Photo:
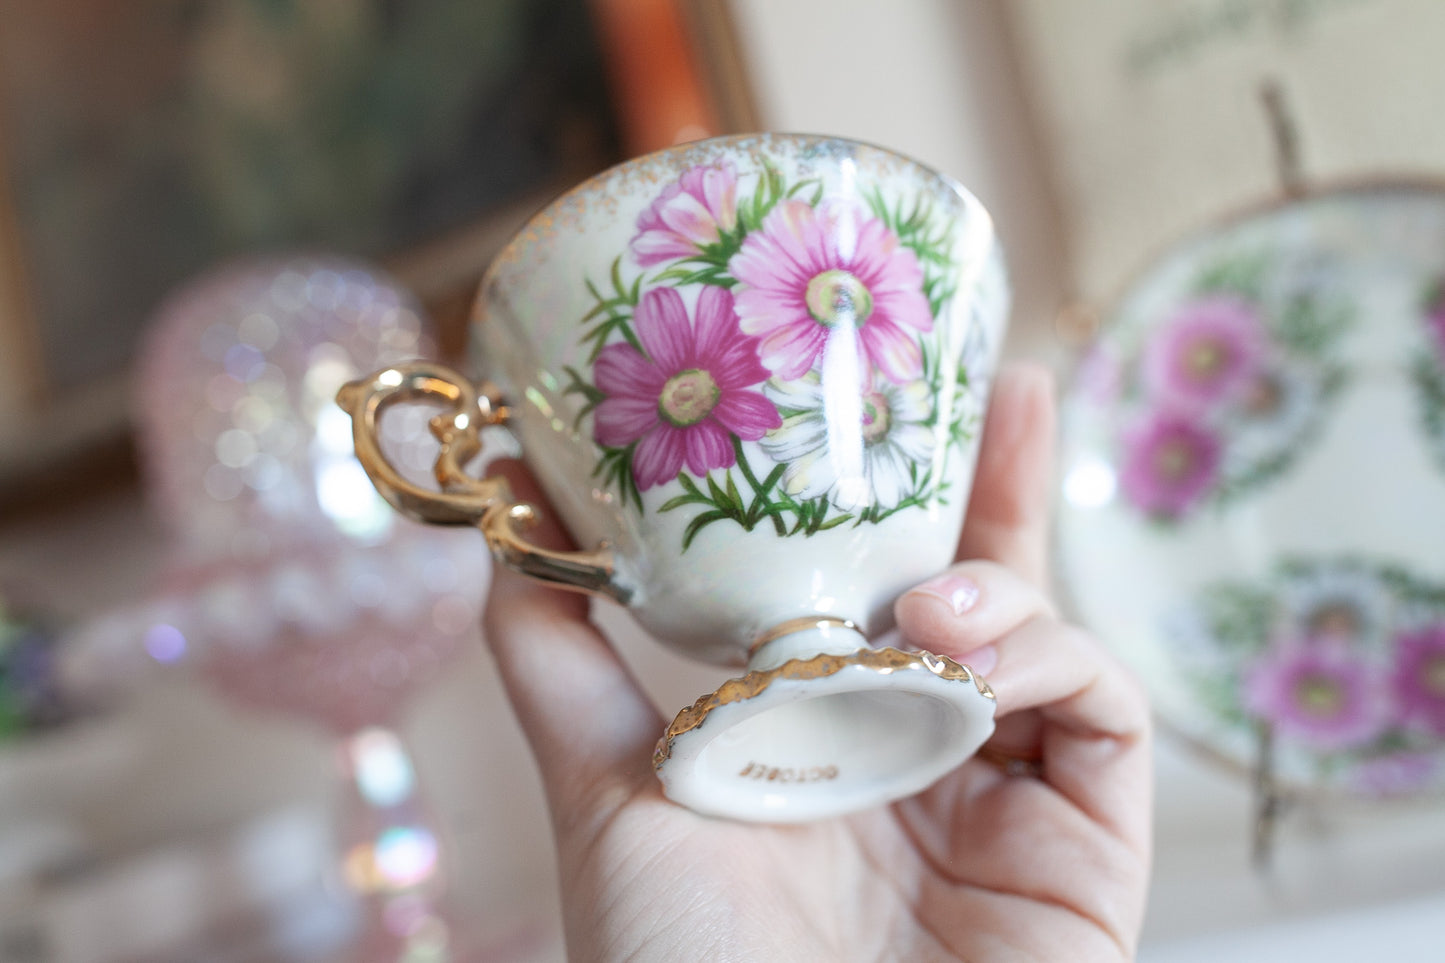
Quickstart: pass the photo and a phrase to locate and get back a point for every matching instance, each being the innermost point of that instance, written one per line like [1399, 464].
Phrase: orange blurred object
[658, 88]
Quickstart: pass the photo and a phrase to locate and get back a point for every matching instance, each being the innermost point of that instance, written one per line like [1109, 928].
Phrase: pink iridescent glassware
[292, 587]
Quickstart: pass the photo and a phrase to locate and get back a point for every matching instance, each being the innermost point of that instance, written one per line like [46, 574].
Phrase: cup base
[823, 736]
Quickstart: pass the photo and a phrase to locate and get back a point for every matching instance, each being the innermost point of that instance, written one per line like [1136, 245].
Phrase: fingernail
[981, 660]
[958, 591]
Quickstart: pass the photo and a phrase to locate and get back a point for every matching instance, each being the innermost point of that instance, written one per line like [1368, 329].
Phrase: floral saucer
[1252, 506]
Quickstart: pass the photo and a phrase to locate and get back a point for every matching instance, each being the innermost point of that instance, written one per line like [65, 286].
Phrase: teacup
[751, 372]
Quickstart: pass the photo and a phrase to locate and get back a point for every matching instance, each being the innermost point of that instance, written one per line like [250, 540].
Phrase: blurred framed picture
[142, 142]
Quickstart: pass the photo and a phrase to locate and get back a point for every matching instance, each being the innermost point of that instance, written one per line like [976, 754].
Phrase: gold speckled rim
[599, 190]
[882, 661]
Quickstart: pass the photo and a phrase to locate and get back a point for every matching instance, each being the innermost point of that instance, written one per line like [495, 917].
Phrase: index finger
[1008, 511]
[587, 720]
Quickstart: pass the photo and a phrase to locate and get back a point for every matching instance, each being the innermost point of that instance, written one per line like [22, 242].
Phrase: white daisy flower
[1272, 415]
[1341, 601]
[1194, 642]
[855, 468]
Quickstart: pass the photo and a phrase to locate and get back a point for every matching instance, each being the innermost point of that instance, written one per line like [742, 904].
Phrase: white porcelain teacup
[752, 372]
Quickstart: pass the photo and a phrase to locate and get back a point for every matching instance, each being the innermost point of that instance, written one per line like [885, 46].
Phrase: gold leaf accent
[801, 625]
[883, 661]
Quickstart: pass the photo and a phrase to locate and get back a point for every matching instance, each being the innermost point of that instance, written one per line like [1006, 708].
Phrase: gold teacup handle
[487, 503]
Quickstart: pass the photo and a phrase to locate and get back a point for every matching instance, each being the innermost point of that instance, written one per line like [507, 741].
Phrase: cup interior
[825, 747]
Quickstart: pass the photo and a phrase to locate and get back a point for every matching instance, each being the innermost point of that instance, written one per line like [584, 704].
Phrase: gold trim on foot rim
[882, 661]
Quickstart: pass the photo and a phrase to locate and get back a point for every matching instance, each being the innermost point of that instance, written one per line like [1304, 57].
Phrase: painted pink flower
[1435, 323]
[809, 275]
[1318, 694]
[1394, 774]
[1170, 463]
[1419, 678]
[1211, 351]
[683, 399]
[691, 214]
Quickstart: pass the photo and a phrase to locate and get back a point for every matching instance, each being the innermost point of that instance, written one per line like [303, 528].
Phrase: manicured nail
[959, 592]
[981, 660]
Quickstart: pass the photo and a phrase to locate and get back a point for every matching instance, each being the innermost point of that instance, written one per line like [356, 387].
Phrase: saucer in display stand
[1252, 507]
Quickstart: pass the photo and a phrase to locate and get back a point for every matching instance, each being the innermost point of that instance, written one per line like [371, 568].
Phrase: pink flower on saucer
[1419, 678]
[1395, 774]
[683, 400]
[1170, 463]
[1435, 323]
[809, 275]
[1318, 694]
[1211, 351]
[691, 214]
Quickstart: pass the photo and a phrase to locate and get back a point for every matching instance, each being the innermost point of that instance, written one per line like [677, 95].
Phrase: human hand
[1036, 849]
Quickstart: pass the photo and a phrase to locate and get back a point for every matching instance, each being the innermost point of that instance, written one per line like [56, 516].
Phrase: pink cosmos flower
[1435, 324]
[1210, 352]
[1170, 463]
[1419, 678]
[1395, 774]
[1320, 695]
[683, 400]
[808, 275]
[690, 214]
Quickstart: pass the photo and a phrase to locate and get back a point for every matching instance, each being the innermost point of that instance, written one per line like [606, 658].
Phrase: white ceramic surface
[756, 369]
[1253, 489]
[751, 222]
[812, 745]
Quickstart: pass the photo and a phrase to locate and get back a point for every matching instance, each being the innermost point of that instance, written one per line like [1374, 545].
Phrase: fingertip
[970, 605]
[1032, 377]
[953, 588]
[983, 659]
[1019, 428]
[1027, 386]
[933, 614]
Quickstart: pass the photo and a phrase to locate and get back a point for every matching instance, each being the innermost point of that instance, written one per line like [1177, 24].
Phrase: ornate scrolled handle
[463, 499]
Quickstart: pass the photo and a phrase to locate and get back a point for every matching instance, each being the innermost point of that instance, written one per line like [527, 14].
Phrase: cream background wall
[935, 79]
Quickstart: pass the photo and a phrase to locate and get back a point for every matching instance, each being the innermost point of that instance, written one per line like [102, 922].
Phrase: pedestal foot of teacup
[809, 738]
